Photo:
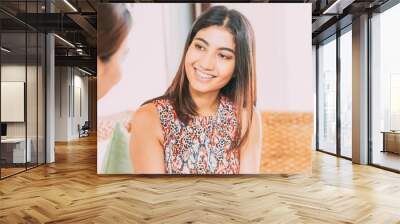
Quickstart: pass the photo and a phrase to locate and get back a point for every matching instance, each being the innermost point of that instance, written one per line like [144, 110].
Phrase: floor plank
[70, 191]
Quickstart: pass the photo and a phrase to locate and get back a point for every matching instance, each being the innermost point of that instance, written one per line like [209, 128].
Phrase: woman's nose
[207, 61]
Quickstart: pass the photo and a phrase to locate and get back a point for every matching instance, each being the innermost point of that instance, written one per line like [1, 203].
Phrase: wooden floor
[70, 191]
[10, 171]
[387, 159]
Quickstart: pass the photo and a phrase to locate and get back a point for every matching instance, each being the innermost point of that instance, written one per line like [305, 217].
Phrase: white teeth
[203, 75]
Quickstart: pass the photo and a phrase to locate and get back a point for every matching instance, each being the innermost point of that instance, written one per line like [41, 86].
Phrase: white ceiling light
[79, 51]
[65, 41]
[70, 5]
[337, 7]
[84, 71]
[5, 50]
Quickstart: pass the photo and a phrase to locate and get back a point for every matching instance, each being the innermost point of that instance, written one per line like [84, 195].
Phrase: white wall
[285, 80]
[33, 127]
[153, 57]
[61, 103]
[12, 73]
[68, 81]
[80, 83]
[12, 101]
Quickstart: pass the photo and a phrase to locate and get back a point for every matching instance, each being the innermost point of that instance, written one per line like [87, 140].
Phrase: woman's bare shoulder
[146, 119]
[147, 111]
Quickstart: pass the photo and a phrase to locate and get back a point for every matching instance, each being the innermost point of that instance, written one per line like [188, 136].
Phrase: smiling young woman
[205, 123]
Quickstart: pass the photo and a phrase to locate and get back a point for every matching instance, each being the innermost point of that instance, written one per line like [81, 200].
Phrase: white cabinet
[18, 149]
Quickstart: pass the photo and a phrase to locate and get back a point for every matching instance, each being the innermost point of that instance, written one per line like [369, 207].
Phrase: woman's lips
[203, 76]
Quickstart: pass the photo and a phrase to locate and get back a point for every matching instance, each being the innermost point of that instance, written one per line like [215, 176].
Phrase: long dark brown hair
[241, 89]
[114, 24]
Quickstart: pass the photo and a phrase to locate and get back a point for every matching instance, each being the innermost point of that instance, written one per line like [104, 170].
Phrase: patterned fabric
[105, 125]
[205, 145]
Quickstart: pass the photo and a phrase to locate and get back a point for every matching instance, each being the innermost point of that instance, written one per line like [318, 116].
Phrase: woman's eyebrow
[221, 48]
[227, 49]
[202, 40]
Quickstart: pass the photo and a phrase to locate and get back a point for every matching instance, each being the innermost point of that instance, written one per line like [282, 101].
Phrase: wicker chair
[287, 142]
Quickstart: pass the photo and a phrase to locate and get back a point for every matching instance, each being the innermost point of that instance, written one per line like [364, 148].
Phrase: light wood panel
[287, 142]
[70, 191]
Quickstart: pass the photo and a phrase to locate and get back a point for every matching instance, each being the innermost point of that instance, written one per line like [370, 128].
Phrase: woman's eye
[199, 47]
[225, 57]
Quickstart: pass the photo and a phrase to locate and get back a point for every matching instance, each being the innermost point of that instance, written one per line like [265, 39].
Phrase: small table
[391, 141]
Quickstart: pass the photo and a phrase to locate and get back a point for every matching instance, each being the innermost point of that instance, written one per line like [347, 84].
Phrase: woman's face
[210, 60]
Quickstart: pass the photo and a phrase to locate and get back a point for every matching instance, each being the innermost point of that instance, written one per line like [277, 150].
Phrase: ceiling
[76, 22]
[329, 16]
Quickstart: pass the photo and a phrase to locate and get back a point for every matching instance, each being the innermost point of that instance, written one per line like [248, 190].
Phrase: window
[346, 93]
[22, 76]
[327, 96]
[385, 88]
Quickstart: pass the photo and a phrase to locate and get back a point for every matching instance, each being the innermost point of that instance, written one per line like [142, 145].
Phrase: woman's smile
[203, 76]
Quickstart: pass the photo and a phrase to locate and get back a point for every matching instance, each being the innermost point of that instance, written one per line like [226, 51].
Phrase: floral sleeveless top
[205, 145]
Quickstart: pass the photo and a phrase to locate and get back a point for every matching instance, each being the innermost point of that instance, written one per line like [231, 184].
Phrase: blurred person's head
[114, 24]
[219, 58]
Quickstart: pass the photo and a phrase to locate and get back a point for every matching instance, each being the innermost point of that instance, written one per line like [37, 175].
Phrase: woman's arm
[250, 151]
[146, 148]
